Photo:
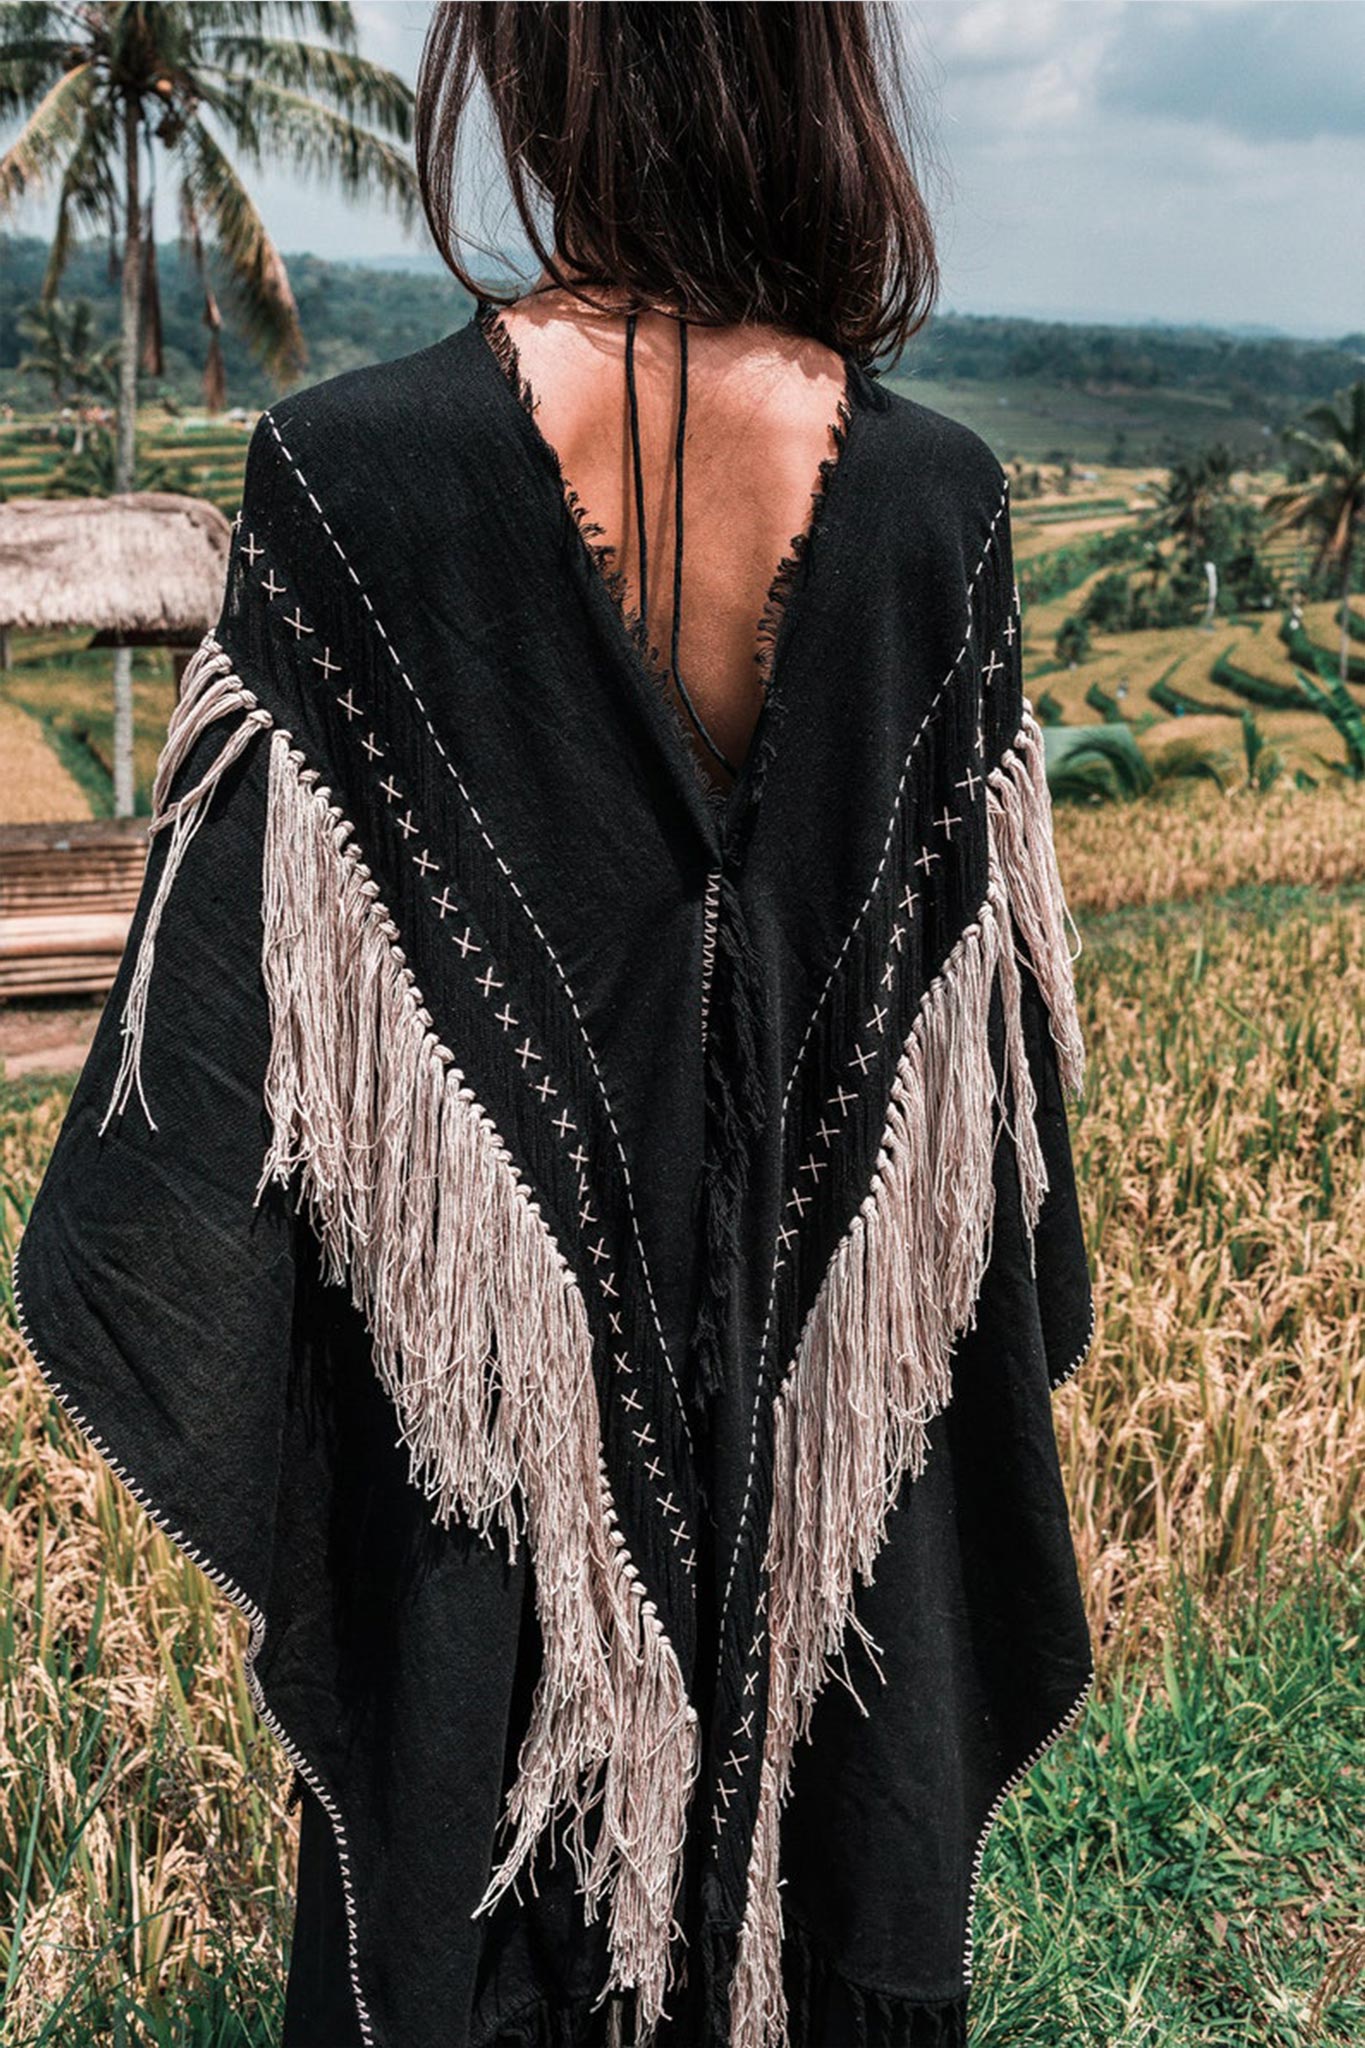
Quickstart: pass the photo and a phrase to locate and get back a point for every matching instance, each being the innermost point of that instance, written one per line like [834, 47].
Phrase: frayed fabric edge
[480, 1333]
[873, 1364]
[826, 2004]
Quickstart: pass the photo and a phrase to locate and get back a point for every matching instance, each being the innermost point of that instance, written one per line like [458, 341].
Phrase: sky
[1120, 160]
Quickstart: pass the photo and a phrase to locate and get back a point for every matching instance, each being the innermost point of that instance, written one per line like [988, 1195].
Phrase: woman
[589, 1256]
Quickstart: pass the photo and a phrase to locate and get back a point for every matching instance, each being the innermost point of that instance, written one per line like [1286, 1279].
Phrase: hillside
[1035, 389]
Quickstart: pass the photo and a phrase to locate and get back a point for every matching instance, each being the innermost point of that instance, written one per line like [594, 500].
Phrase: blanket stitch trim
[256, 1620]
[517, 892]
[563, 1126]
[1023, 892]
[799, 1058]
[481, 1335]
[873, 1363]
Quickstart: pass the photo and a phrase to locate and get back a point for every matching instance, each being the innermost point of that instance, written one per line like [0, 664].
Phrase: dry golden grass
[125, 1725]
[1223, 1406]
[34, 786]
[1221, 1410]
[1192, 841]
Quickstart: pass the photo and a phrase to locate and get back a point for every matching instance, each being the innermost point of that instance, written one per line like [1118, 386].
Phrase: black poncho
[584, 1266]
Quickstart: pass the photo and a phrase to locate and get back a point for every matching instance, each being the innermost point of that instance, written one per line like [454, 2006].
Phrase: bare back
[761, 408]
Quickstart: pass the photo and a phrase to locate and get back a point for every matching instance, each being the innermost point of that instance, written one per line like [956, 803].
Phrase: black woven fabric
[458, 672]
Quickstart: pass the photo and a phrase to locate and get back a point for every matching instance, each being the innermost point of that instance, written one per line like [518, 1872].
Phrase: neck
[611, 298]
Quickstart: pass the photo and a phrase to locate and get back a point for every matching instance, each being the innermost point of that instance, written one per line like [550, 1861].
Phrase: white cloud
[1287, 71]
[1141, 158]
[391, 32]
[1086, 158]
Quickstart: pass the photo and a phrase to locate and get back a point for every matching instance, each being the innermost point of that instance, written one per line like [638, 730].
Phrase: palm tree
[1194, 485]
[63, 353]
[99, 86]
[1329, 504]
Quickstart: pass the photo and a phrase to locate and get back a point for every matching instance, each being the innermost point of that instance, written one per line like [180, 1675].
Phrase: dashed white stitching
[555, 961]
[810, 1026]
[525, 1052]
[826, 1132]
[255, 1618]
[465, 940]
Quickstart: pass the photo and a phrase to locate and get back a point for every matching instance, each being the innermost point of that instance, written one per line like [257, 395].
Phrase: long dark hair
[731, 161]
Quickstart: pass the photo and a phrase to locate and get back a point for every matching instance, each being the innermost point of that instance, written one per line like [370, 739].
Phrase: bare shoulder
[748, 380]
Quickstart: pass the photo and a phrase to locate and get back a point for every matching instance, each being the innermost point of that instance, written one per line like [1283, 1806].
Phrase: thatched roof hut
[148, 567]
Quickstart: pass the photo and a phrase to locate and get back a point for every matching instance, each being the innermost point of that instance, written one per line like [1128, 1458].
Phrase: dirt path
[46, 1038]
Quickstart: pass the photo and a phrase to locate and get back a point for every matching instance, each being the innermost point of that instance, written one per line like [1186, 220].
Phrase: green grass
[1184, 1865]
[1184, 1868]
[207, 461]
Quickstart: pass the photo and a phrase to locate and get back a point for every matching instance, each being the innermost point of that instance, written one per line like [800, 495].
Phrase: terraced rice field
[204, 457]
[34, 785]
[1183, 1870]
[63, 686]
[68, 689]
[64, 689]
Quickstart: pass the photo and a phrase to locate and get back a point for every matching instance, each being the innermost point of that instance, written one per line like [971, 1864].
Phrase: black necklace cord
[678, 446]
[639, 468]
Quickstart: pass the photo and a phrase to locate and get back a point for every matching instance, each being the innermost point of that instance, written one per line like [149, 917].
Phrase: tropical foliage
[1344, 714]
[1264, 763]
[1191, 496]
[1328, 504]
[1104, 762]
[107, 92]
[1184, 1869]
[65, 353]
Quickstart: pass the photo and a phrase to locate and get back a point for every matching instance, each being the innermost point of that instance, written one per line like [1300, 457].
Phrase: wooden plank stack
[67, 896]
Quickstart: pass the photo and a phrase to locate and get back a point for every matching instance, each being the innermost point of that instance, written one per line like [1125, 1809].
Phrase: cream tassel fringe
[874, 1362]
[480, 1338]
[1021, 811]
[207, 691]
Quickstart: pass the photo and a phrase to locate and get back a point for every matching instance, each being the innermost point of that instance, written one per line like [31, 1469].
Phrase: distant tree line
[349, 314]
[354, 314]
[997, 349]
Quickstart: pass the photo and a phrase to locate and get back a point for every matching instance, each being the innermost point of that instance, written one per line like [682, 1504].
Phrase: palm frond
[1323, 451]
[364, 90]
[88, 194]
[1099, 763]
[215, 368]
[336, 22]
[218, 200]
[321, 143]
[34, 18]
[28, 69]
[1334, 701]
[34, 40]
[50, 134]
[1331, 426]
